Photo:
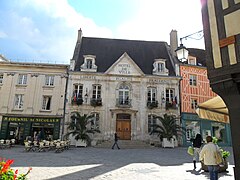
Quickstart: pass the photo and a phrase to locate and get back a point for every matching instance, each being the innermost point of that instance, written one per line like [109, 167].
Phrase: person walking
[207, 155]
[115, 141]
[197, 143]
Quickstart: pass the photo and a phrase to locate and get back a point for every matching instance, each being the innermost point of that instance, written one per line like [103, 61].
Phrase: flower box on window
[153, 104]
[77, 101]
[96, 102]
[171, 105]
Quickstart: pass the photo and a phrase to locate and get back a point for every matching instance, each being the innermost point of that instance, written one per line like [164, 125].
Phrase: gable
[125, 66]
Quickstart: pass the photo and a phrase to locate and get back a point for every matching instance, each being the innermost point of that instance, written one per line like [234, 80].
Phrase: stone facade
[31, 99]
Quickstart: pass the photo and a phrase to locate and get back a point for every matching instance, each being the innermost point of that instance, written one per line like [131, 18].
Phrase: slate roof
[200, 54]
[108, 51]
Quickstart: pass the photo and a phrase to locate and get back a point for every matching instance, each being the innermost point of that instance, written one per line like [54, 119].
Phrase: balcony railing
[152, 104]
[123, 103]
[96, 102]
[171, 105]
[77, 101]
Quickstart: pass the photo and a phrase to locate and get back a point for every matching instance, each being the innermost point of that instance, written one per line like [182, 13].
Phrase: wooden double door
[123, 129]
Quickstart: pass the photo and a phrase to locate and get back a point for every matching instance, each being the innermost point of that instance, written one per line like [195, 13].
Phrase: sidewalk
[108, 164]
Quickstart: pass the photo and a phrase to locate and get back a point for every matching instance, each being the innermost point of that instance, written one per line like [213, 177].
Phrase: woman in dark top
[197, 143]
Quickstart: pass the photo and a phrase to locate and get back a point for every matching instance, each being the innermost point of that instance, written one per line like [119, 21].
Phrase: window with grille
[96, 91]
[151, 122]
[18, 101]
[1, 78]
[46, 105]
[152, 91]
[49, 80]
[22, 79]
[95, 121]
[193, 80]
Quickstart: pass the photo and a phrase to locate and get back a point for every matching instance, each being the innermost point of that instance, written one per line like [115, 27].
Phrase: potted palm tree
[79, 128]
[167, 130]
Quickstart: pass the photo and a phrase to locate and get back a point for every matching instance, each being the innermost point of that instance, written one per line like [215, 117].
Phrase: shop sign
[31, 119]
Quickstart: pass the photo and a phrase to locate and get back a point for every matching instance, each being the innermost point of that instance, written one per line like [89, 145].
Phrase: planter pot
[221, 169]
[167, 143]
[81, 143]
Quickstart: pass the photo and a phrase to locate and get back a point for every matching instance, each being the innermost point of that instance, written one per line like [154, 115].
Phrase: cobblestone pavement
[107, 164]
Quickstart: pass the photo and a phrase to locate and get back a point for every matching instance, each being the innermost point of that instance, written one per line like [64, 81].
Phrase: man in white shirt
[207, 155]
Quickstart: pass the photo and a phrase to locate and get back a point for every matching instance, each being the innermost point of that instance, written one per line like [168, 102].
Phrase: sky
[46, 30]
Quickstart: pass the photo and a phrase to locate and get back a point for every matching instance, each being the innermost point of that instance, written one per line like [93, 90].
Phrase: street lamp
[181, 51]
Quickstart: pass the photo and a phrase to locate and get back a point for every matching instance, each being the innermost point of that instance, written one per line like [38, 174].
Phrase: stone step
[125, 144]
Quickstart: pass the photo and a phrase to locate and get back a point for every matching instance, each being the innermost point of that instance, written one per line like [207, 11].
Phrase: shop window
[49, 80]
[194, 103]
[192, 129]
[18, 101]
[152, 120]
[193, 80]
[46, 105]
[219, 132]
[22, 79]
[1, 78]
[95, 121]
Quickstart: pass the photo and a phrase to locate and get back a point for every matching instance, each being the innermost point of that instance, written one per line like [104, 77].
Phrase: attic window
[192, 61]
[159, 67]
[89, 63]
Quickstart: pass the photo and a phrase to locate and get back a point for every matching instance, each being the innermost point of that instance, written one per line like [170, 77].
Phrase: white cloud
[156, 18]
[3, 34]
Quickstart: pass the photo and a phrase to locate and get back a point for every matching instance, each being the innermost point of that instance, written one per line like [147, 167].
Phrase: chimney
[79, 35]
[173, 41]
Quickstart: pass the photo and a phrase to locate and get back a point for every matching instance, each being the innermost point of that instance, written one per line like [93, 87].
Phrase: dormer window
[89, 64]
[159, 67]
[192, 60]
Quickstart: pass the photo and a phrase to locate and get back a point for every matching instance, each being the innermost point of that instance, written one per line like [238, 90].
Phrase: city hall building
[125, 84]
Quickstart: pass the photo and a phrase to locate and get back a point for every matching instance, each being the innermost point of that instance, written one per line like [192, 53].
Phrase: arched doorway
[123, 126]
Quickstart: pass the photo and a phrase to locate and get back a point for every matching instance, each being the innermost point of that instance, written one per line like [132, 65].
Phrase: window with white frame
[1, 78]
[170, 93]
[194, 103]
[89, 63]
[152, 92]
[22, 79]
[78, 91]
[124, 91]
[160, 67]
[193, 80]
[46, 104]
[18, 101]
[95, 121]
[96, 91]
[151, 122]
[192, 61]
[49, 80]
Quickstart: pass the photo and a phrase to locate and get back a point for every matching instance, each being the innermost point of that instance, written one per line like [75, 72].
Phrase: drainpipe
[65, 102]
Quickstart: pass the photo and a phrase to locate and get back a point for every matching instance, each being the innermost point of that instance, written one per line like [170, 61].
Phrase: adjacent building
[195, 89]
[32, 97]
[125, 84]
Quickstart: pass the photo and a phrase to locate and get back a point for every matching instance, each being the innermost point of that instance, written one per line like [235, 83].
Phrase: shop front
[34, 128]
[194, 125]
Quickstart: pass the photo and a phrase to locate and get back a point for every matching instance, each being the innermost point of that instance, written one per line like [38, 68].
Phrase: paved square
[108, 164]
